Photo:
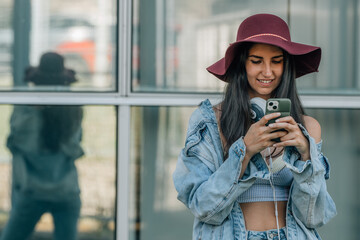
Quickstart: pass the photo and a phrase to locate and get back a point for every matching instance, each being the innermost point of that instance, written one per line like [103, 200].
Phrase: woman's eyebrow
[278, 56]
[255, 56]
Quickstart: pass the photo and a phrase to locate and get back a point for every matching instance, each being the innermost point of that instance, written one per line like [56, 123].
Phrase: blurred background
[149, 56]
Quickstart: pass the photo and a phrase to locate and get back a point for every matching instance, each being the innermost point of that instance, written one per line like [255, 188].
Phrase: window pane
[334, 26]
[158, 134]
[82, 32]
[177, 40]
[174, 41]
[341, 133]
[49, 157]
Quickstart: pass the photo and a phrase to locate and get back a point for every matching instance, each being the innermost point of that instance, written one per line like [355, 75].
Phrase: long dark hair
[235, 117]
[59, 123]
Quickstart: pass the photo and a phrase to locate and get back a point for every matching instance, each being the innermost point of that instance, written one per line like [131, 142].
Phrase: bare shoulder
[313, 127]
[217, 110]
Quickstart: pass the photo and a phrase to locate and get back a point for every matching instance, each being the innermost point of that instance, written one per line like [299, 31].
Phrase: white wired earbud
[274, 192]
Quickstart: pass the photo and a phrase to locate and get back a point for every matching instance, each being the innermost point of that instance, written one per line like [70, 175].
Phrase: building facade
[140, 69]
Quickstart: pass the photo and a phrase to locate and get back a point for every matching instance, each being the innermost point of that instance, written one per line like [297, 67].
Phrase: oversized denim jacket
[210, 186]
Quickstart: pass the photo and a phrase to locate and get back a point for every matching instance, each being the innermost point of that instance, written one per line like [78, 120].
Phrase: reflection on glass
[44, 142]
[178, 39]
[49, 170]
[50, 72]
[83, 32]
[157, 137]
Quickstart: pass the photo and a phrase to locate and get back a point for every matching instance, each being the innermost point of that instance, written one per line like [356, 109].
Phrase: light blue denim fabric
[210, 186]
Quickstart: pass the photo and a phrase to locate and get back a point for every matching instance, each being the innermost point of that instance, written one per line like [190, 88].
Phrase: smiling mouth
[265, 80]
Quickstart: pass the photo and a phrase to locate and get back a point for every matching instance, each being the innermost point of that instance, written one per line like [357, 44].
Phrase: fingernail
[271, 125]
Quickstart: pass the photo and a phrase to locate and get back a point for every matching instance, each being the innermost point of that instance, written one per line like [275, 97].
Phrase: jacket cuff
[238, 150]
[324, 160]
[316, 164]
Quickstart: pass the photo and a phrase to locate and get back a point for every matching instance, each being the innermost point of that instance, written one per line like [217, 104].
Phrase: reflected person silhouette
[45, 142]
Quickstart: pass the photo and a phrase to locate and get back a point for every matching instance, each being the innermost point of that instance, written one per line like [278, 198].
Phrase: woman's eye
[277, 61]
[256, 62]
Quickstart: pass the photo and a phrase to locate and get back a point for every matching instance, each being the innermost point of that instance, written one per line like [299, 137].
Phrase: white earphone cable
[274, 192]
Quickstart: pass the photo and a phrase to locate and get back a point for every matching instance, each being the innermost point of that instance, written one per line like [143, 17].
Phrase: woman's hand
[294, 136]
[259, 136]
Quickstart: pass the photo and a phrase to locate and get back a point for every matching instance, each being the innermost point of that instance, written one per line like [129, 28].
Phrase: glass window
[158, 135]
[177, 40]
[59, 160]
[334, 26]
[86, 40]
[341, 133]
[174, 41]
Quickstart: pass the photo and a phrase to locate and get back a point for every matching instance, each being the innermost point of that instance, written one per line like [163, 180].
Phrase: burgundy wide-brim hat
[269, 29]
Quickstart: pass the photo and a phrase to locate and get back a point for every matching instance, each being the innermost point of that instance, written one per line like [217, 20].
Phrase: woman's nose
[267, 71]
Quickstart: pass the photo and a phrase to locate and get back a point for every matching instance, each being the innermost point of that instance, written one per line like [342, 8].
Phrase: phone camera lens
[274, 107]
[271, 103]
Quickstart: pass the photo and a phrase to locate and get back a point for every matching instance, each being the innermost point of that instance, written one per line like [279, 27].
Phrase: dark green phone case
[282, 105]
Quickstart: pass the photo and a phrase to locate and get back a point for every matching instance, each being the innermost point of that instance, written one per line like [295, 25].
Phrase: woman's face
[264, 68]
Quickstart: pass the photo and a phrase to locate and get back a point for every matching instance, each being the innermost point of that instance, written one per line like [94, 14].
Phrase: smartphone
[282, 105]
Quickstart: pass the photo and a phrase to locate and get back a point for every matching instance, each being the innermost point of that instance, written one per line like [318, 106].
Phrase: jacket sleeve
[208, 190]
[24, 125]
[310, 201]
[324, 160]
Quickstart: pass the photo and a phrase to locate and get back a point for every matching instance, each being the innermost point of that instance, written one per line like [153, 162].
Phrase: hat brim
[307, 58]
[38, 77]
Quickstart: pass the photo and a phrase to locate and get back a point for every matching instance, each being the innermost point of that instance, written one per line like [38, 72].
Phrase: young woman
[235, 179]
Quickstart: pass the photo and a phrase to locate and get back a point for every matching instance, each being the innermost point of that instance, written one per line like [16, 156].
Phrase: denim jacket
[209, 186]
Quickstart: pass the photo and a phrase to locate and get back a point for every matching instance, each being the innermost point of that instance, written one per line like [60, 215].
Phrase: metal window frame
[124, 99]
[157, 99]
